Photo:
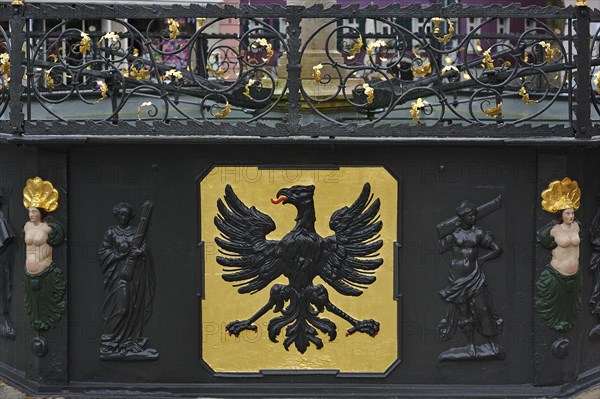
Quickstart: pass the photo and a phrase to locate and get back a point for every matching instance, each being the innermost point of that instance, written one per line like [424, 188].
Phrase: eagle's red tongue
[278, 200]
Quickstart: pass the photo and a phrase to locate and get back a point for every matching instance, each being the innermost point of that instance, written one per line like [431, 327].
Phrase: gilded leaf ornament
[494, 112]
[561, 194]
[40, 193]
[356, 48]
[416, 107]
[222, 114]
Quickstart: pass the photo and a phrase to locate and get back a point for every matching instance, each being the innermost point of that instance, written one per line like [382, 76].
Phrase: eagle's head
[295, 195]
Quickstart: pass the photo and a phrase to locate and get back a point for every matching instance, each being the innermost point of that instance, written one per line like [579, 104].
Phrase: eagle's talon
[370, 327]
[237, 326]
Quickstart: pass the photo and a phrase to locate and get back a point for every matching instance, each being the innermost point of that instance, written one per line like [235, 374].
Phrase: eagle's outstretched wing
[249, 256]
[350, 255]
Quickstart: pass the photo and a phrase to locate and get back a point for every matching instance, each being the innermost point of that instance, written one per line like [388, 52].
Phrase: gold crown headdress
[561, 195]
[40, 194]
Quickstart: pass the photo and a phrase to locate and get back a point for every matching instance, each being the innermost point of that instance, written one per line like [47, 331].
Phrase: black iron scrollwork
[160, 74]
[422, 73]
[344, 260]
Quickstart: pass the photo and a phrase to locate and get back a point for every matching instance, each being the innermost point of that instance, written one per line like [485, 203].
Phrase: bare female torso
[565, 257]
[38, 252]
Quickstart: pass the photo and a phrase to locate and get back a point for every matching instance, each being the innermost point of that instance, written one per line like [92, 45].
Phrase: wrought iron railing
[454, 72]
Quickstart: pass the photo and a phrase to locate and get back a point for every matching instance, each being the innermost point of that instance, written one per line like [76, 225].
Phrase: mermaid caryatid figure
[558, 289]
[44, 284]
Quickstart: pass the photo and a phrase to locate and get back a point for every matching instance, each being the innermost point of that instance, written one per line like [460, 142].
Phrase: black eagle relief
[346, 261]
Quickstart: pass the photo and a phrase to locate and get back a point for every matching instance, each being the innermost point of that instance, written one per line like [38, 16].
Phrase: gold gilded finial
[40, 194]
[17, 3]
[561, 195]
[581, 3]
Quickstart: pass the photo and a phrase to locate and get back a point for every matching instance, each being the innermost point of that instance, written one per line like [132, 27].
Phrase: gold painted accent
[436, 23]
[215, 72]
[448, 36]
[49, 79]
[506, 64]
[526, 57]
[597, 81]
[421, 71]
[173, 28]
[488, 61]
[111, 36]
[448, 68]
[222, 114]
[139, 109]
[247, 88]
[561, 195]
[103, 90]
[17, 3]
[5, 65]
[448, 60]
[54, 57]
[135, 52]
[494, 111]
[260, 43]
[253, 351]
[478, 46]
[466, 76]
[377, 44]
[416, 107]
[370, 93]
[40, 194]
[200, 22]
[549, 51]
[357, 48]
[84, 44]
[138, 74]
[174, 74]
[317, 72]
[581, 3]
[525, 96]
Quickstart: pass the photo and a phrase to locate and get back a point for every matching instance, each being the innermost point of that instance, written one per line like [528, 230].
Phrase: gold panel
[253, 351]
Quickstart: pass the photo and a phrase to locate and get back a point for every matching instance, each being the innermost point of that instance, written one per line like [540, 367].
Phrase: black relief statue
[129, 282]
[469, 302]
[595, 272]
[6, 238]
[346, 261]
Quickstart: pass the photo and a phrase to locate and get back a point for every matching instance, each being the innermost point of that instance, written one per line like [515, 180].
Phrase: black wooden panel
[103, 176]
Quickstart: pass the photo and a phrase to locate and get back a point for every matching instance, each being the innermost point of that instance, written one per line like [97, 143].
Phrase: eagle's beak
[280, 197]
